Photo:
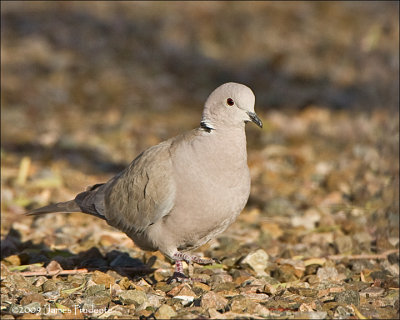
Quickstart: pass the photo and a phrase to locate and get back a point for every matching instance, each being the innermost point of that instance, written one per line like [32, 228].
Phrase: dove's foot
[178, 275]
[179, 256]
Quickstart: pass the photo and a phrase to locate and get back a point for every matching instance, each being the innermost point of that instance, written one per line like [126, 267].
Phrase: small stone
[342, 312]
[256, 297]
[162, 274]
[13, 260]
[348, 297]
[271, 288]
[40, 281]
[285, 273]
[226, 289]
[186, 291]
[183, 293]
[372, 292]
[220, 278]
[135, 297]
[51, 295]
[262, 311]
[242, 304]
[186, 300]
[214, 301]
[18, 281]
[306, 292]
[214, 314]
[96, 289]
[155, 300]
[165, 312]
[145, 313]
[125, 283]
[53, 267]
[34, 297]
[329, 305]
[175, 290]
[311, 269]
[258, 261]
[98, 301]
[394, 258]
[199, 288]
[103, 278]
[344, 244]
[327, 273]
[115, 289]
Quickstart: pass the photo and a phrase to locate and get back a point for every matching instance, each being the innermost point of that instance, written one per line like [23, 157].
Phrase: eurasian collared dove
[181, 193]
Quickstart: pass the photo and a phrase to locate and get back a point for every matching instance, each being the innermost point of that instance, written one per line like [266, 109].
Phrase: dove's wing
[143, 193]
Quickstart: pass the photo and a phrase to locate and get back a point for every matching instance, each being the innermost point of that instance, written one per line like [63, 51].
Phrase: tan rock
[165, 312]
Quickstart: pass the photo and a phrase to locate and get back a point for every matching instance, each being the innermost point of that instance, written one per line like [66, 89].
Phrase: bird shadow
[30, 253]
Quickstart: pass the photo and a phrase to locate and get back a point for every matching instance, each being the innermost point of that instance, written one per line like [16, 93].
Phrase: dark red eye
[230, 102]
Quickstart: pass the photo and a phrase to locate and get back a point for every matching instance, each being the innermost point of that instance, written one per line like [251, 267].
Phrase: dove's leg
[179, 257]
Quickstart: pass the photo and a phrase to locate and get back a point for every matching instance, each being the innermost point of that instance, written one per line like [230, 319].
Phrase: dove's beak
[255, 119]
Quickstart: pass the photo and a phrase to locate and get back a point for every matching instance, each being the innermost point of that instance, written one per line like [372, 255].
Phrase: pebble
[372, 292]
[214, 301]
[34, 297]
[165, 312]
[103, 278]
[95, 289]
[258, 261]
[49, 285]
[200, 288]
[348, 297]
[327, 273]
[155, 300]
[226, 289]
[342, 313]
[344, 244]
[135, 297]
[241, 303]
[220, 278]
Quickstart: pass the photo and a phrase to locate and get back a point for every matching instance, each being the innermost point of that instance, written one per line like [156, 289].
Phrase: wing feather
[143, 193]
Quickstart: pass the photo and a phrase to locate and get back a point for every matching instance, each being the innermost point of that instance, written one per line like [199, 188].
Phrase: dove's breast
[216, 188]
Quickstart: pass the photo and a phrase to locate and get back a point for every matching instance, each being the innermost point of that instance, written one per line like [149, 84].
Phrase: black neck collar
[206, 127]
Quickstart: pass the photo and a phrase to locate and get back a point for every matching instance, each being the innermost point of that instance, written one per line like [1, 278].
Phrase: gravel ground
[86, 87]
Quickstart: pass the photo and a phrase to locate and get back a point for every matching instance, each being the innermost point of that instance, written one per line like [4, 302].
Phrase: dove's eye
[230, 102]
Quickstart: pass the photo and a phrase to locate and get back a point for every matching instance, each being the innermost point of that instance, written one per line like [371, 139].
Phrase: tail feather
[68, 206]
[90, 202]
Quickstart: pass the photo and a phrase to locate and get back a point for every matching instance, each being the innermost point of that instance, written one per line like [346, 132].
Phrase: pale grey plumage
[179, 194]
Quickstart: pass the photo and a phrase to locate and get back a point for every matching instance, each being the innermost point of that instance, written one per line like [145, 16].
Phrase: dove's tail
[86, 202]
[63, 207]
[67, 206]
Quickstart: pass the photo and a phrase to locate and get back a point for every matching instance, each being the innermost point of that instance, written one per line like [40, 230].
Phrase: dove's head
[230, 105]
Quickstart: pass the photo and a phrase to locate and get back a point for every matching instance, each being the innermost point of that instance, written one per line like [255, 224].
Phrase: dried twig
[83, 270]
[53, 273]
[377, 256]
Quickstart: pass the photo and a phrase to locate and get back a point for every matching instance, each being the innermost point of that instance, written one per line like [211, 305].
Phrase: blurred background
[86, 86]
